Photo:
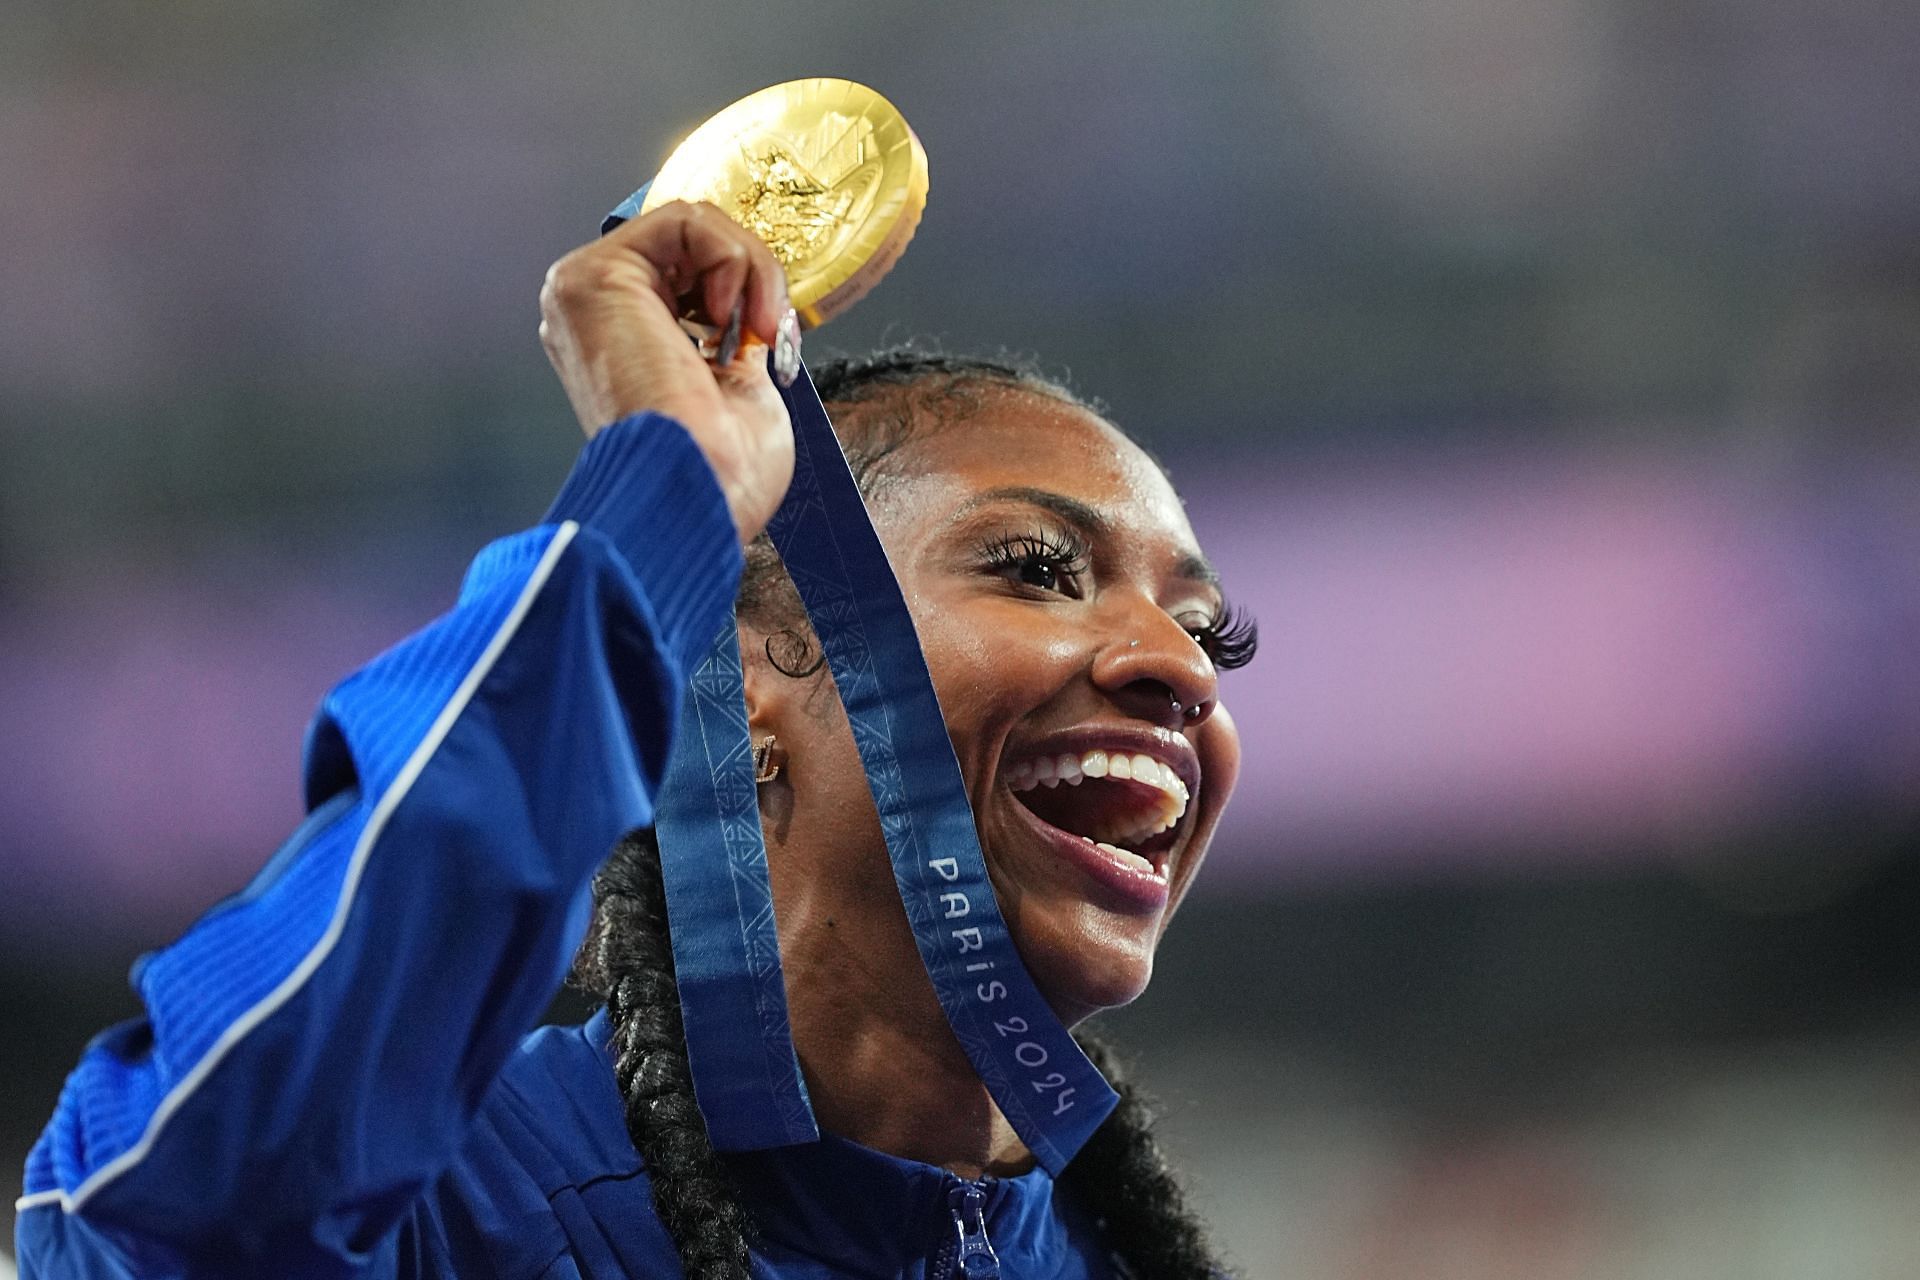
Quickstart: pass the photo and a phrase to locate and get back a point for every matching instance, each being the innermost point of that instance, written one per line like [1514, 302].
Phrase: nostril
[1157, 701]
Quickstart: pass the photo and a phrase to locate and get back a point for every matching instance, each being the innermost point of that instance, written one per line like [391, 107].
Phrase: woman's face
[1057, 587]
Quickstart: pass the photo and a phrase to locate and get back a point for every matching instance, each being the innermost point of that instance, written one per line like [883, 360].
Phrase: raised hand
[610, 315]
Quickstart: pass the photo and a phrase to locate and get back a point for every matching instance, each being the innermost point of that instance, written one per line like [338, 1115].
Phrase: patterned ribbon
[726, 950]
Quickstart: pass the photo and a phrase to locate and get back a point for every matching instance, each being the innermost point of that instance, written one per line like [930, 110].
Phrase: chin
[1085, 960]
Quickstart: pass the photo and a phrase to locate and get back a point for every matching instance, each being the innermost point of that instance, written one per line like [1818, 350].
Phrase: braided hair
[627, 960]
[1121, 1177]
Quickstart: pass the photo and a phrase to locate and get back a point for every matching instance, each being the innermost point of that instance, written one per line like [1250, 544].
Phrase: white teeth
[1127, 856]
[1072, 768]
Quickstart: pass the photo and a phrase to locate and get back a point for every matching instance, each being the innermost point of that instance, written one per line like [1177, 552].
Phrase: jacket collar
[873, 1214]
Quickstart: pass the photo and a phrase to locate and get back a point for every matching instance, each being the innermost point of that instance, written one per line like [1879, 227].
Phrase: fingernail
[730, 340]
[786, 350]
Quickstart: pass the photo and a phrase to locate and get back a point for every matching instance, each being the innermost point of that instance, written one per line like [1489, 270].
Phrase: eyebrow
[1088, 520]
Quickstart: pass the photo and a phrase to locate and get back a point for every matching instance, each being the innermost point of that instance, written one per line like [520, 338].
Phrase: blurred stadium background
[1545, 375]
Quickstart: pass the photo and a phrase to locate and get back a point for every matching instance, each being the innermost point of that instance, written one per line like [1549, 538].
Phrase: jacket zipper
[967, 1254]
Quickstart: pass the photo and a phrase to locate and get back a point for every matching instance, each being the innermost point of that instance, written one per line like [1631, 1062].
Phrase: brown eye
[1041, 563]
[1039, 572]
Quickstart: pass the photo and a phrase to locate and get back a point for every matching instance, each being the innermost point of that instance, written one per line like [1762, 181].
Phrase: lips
[1112, 804]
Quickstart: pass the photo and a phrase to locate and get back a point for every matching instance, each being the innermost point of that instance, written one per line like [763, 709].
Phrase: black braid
[1120, 1177]
[627, 960]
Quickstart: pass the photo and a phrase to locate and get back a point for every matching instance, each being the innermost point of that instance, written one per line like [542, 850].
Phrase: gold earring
[765, 767]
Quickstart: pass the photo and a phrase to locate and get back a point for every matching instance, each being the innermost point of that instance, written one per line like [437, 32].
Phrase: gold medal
[825, 171]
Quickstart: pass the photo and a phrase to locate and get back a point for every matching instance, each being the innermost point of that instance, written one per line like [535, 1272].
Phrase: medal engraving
[824, 171]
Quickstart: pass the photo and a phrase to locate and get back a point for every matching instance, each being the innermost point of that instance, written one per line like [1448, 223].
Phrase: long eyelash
[1011, 550]
[1231, 639]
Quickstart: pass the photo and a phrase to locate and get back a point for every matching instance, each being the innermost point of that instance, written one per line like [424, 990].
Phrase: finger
[697, 251]
[722, 286]
[765, 292]
[761, 287]
[749, 383]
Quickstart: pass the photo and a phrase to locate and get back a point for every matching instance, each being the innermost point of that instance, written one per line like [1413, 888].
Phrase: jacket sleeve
[314, 1048]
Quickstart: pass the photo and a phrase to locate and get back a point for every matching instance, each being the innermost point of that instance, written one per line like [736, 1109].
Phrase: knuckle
[714, 217]
[556, 283]
[572, 279]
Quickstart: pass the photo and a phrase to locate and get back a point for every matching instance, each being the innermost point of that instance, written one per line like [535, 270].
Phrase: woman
[331, 1079]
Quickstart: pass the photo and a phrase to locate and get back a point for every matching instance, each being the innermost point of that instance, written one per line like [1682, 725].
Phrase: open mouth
[1127, 805]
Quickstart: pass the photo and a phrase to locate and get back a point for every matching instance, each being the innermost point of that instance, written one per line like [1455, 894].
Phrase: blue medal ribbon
[1051, 1094]
[720, 904]
[726, 952]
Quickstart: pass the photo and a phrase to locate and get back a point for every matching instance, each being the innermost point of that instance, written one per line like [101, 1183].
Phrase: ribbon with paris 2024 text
[726, 949]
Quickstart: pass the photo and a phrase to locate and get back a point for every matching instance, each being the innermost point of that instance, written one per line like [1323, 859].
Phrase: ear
[769, 694]
[770, 699]
[757, 679]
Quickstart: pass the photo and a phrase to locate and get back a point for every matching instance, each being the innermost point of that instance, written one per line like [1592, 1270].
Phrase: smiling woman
[332, 1078]
[1063, 607]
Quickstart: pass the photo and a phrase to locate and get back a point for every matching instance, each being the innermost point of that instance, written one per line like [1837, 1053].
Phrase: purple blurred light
[1544, 653]
[1465, 661]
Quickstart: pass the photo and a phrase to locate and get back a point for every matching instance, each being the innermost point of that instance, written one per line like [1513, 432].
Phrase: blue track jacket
[334, 1076]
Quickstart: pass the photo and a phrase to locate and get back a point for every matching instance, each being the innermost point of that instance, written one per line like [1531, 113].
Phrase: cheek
[1218, 744]
[992, 661]
[824, 761]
